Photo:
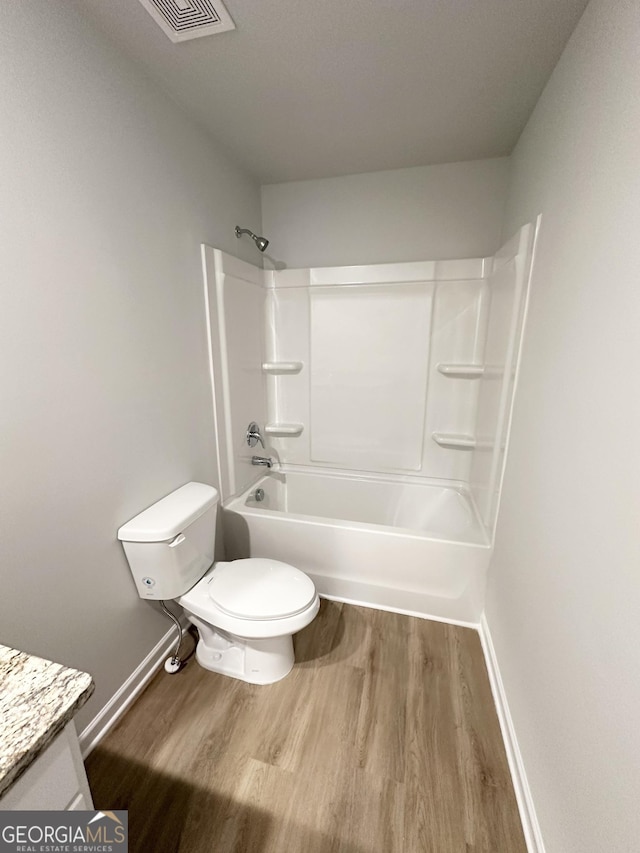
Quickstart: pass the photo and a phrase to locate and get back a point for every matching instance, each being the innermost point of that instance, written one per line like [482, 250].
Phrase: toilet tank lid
[171, 515]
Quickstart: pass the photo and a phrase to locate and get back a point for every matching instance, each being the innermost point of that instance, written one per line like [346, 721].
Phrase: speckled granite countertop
[37, 700]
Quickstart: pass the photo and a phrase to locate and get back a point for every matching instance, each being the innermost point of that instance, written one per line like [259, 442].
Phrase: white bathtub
[392, 543]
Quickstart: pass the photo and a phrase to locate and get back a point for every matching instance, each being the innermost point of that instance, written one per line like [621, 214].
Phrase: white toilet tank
[170, 545]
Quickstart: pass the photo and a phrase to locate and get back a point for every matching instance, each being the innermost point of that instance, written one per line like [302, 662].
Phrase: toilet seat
[282, 599]
[260, 589]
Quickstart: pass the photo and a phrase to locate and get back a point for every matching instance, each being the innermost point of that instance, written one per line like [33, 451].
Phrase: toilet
[246, 611]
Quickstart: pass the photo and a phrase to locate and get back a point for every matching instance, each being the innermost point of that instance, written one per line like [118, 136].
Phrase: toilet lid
[260, 589]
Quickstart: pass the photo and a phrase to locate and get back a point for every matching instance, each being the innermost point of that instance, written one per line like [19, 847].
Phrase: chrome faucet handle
[253, 435]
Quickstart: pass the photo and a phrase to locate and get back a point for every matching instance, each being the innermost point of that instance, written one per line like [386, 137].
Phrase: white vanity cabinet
[55, 781]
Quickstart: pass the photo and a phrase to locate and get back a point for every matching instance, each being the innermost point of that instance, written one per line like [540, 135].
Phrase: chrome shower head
[260, 242]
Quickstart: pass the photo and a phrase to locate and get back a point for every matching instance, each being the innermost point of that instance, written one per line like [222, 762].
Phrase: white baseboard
[107, 717]
[530, 825]
[367, 601]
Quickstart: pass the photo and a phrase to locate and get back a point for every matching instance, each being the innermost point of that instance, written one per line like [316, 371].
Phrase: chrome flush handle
[253, 435]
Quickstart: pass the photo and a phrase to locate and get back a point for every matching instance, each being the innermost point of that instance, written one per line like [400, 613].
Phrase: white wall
[564, 594]
[107, 192]
[425, 213]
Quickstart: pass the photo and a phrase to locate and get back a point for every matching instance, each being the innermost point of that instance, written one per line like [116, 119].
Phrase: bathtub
[394, 543]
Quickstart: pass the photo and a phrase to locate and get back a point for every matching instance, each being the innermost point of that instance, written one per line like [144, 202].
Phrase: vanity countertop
[37, 700]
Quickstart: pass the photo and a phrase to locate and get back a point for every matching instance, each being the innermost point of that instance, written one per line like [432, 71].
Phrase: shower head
[260, 242]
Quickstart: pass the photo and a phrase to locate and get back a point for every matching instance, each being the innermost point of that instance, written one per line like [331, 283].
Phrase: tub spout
[262, 460]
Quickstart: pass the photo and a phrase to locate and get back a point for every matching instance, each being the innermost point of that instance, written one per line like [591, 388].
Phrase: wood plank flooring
[383, 739]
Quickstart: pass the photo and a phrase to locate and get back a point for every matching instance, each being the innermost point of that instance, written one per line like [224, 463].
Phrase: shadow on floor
[171, 815]
[331, 638]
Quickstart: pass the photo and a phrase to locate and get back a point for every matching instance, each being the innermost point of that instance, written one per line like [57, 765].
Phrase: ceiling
[318, 88]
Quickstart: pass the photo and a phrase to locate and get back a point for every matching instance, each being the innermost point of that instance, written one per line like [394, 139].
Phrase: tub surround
[384, 392]
[37, 700]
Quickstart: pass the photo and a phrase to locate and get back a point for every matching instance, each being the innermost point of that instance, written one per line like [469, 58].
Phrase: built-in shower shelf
[276, 367]
[461, 371]
[284, 430]
[454, 440]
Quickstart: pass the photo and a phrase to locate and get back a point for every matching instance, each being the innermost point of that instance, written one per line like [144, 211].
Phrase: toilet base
[254, 661]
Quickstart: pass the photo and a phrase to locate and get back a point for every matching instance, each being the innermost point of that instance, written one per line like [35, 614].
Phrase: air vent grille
[189, 19]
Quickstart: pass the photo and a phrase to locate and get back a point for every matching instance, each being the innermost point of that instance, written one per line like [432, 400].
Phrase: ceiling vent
[189, 19]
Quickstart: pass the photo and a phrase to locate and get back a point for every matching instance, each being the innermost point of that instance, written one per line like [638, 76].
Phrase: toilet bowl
[246, 613]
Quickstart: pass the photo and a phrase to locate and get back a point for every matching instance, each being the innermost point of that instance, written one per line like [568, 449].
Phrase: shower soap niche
[277, 367]
[284, 430]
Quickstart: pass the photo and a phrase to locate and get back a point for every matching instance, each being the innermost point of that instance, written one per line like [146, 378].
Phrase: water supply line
[173, 663]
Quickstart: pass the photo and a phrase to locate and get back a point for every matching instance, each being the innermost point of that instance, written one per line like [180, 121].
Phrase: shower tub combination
[384, 394]
[392, 542]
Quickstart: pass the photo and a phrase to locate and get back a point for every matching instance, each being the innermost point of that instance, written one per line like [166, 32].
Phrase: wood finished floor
[383, 739]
